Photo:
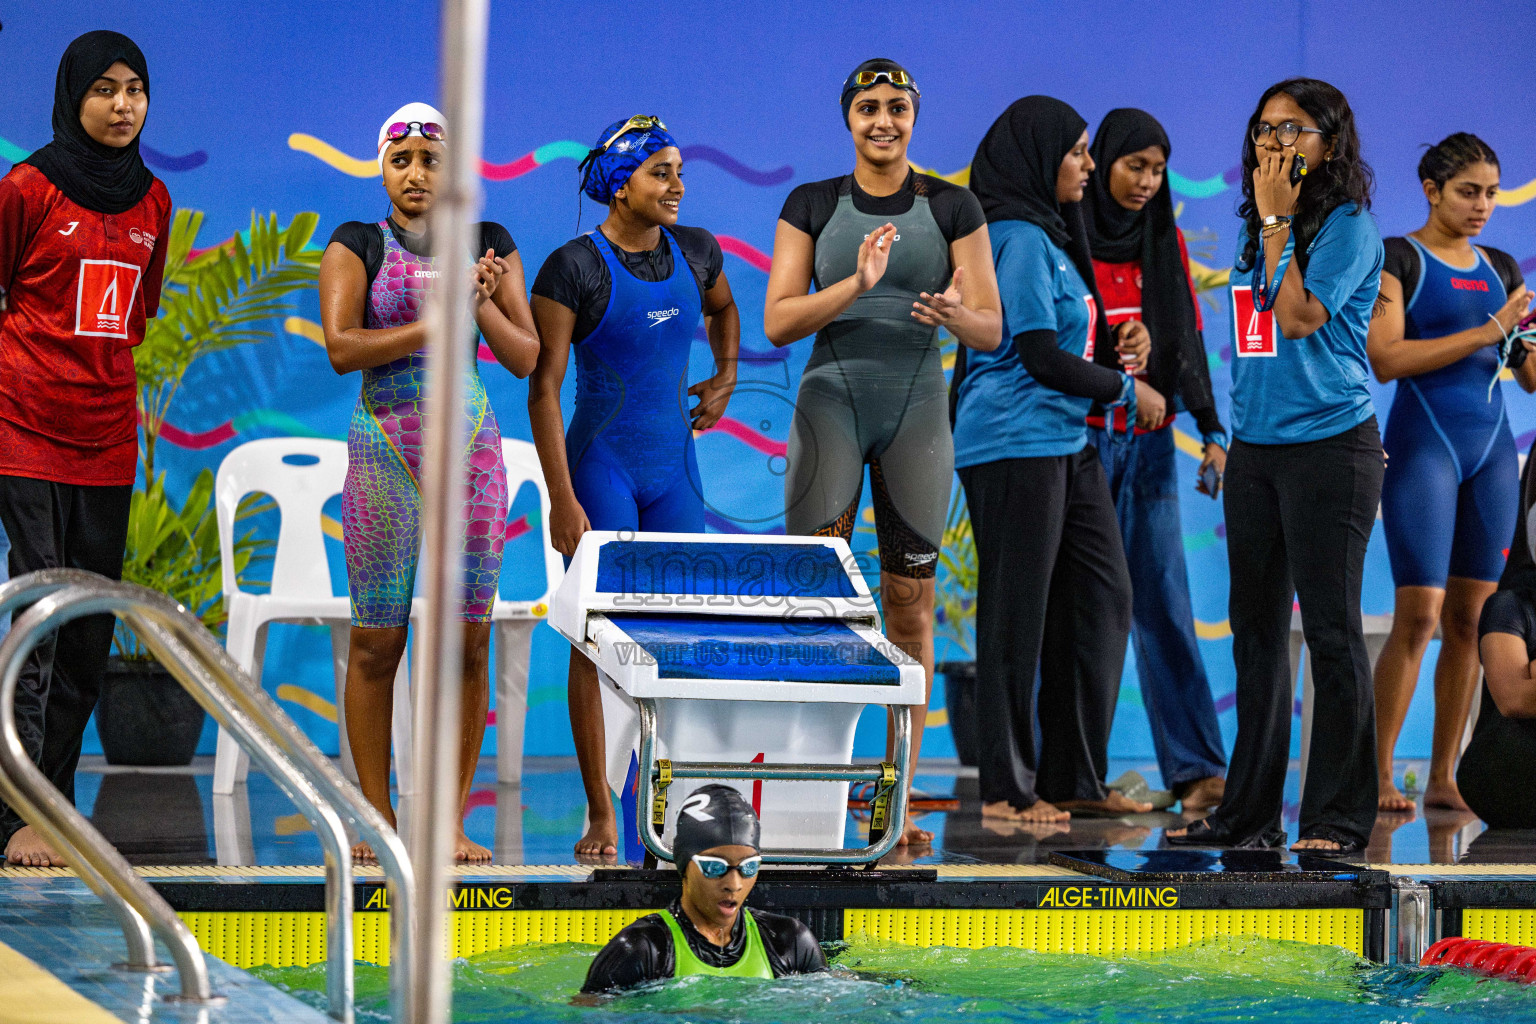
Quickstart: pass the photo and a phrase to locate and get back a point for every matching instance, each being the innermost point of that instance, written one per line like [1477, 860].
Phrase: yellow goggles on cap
[900, 79]
[640, 122]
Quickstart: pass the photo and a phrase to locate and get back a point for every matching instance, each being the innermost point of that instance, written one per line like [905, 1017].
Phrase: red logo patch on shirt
[1255, 330]
[1466, 284]
[104, 298]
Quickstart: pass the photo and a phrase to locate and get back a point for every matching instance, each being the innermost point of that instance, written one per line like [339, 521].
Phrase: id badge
[1254, 331]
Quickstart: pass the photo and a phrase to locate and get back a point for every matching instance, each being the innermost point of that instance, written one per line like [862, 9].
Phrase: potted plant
[954, 614]
[210, 301]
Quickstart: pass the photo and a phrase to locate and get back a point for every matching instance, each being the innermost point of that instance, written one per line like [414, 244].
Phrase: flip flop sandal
[1199, 833]
[1347, 844]
[1134, 786]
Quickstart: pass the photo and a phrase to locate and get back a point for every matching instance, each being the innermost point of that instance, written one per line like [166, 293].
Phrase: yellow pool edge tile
[31, 995]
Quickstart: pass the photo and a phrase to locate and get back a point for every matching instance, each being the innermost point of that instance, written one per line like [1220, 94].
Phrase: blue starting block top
[737, 570]
[759, 649]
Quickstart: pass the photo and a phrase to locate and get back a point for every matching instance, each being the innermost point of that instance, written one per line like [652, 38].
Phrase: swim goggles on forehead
[899, 78]
[716, 867]
[640, 122]
[426, 129]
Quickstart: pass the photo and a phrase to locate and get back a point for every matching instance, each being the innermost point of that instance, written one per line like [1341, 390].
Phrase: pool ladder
[322, 794]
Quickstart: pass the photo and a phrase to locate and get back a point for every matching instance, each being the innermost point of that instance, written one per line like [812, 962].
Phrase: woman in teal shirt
[1304, 473]
[1053, 589]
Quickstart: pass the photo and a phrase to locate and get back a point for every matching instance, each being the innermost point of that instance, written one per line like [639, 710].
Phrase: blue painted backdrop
[262, 105]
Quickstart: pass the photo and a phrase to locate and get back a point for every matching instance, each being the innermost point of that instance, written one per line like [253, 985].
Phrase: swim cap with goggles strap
[870, 74]
[621, 149]
[412, 119]
[711, 816]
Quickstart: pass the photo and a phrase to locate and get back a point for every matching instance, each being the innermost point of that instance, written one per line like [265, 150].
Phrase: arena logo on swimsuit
[1468, 285]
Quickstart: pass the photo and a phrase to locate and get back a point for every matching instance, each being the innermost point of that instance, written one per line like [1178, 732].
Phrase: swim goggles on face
[899, 78]
[1286, 131]
[716, 867]
[426, 129]
[640, 122]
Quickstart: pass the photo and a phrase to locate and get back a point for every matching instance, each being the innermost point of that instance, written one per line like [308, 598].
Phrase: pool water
[1224, 979]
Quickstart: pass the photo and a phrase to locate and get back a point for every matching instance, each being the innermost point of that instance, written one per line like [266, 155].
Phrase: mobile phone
[1298, 169]
[1210, 480]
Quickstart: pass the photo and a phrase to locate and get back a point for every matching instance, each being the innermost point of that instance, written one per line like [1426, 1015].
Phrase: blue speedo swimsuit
[630, 443]
[1451, 492]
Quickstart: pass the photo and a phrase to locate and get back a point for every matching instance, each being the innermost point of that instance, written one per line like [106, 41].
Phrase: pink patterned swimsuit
[381, 500]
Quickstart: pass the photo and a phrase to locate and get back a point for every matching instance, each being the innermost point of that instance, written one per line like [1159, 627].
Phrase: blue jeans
[1144, 481]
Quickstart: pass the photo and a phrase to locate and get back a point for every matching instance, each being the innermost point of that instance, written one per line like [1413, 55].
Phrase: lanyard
[1263, 297]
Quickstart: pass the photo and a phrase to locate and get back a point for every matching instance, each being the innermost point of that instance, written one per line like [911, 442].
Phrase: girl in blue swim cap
[627, 299]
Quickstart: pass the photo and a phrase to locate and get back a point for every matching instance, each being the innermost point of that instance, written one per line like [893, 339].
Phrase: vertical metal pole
[440, 638]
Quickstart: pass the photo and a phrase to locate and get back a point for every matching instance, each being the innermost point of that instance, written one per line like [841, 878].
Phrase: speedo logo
[913, 559]
[896, 239]
[661, 316]
[1465, 284]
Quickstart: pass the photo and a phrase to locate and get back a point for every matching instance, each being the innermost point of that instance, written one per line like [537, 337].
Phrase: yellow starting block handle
[659, 800]
[880, 809]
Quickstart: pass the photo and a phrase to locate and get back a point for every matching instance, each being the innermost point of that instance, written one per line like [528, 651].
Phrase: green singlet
[753, 962]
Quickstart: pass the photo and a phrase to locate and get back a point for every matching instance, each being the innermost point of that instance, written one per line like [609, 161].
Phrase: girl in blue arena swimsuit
[625, 300]
[1451, 493]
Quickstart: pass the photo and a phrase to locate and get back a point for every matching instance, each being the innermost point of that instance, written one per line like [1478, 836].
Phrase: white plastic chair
[301, 592]
[300, 474]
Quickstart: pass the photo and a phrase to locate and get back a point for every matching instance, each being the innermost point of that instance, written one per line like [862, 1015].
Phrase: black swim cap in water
[711, 816]
[886, 72]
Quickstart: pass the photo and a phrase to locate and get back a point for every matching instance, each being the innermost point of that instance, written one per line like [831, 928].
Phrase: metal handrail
[309, 779]
[648, 771]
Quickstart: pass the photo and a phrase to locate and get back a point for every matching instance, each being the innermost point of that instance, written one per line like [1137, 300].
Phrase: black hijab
[1150, 237]
[1014, 175]
[96, 176]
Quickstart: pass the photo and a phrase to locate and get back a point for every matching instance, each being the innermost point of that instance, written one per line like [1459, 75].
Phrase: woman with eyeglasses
[1451, 493]
[625, 300]
[894, 256]
[709, 929]
[1054, 593]
[1304, 473]
[373, 286]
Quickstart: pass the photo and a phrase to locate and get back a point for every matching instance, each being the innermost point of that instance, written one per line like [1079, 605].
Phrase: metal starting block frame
[710, 646]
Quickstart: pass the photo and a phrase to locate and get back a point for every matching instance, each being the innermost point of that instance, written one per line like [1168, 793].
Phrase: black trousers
[54, 525]
[1053, 593]
[1299, 518]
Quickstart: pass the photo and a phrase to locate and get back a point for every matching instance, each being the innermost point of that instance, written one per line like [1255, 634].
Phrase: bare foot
[1321, 845]
[27, 849]
[467, 851]
[914, 836]
[1444, 795]
[601, 840]
[1203, 794]
[1039, 811]
[1115, 803]
[1444, 826]
[362, 853]
[1390, 798]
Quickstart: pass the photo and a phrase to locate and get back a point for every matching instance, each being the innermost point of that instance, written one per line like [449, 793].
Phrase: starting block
[746, 661]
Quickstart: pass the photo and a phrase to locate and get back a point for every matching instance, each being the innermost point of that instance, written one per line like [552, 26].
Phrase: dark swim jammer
[874, 392]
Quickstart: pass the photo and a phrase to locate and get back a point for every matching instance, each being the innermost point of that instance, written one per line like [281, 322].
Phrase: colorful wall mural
[273, 107]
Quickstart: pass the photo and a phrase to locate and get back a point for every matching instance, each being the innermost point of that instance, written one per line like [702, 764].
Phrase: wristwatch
[1274, 220]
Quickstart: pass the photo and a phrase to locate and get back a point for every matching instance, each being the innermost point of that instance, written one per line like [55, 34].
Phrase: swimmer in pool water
[709, 929]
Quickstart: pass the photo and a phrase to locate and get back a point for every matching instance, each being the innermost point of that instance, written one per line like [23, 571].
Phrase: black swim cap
[711, 816]
[852, 88]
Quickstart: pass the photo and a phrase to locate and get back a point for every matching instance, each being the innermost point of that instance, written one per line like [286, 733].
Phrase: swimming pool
[1223, 979]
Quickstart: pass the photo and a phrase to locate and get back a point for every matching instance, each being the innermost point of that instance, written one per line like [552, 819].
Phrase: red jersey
[81, 284]
[1120, 285]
